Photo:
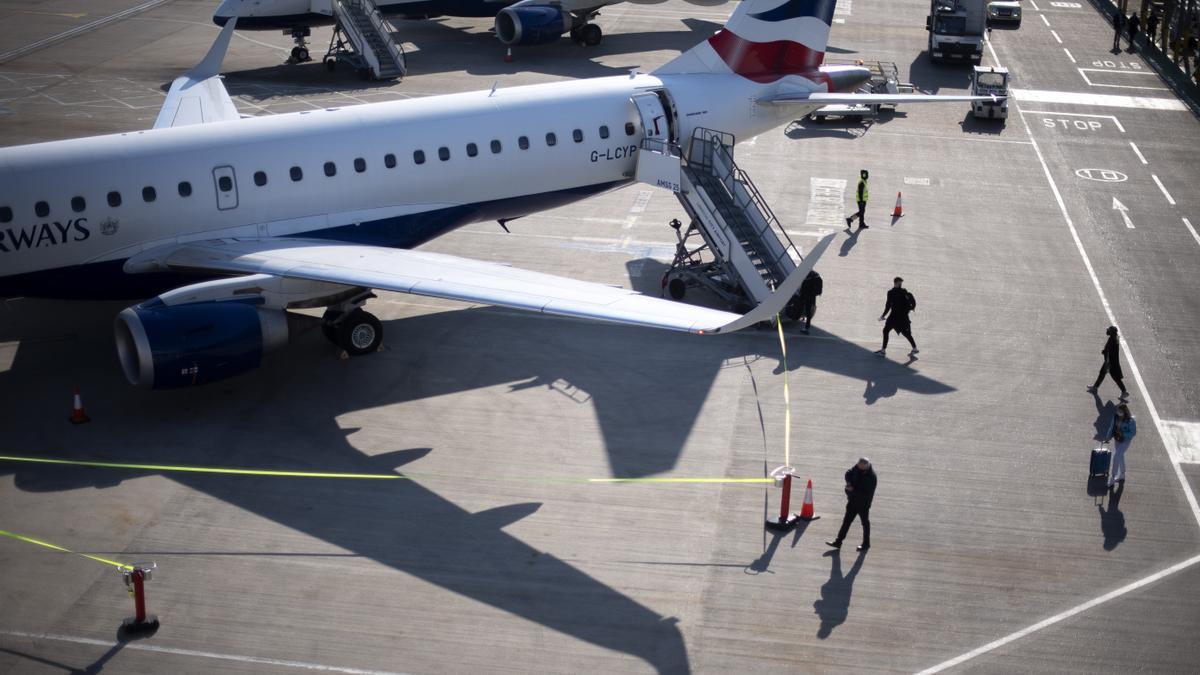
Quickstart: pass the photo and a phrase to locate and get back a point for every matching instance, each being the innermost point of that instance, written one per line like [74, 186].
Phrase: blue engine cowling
[169, 346]
[526, 25]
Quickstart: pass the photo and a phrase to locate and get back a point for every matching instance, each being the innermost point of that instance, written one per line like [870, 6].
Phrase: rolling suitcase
[1101, 457]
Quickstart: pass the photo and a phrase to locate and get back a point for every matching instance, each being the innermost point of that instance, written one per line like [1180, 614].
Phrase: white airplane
[228, 221]
[518, 22]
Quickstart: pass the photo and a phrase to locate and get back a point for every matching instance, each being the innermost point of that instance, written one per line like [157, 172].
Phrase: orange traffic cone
[806, 511]
[899, 210]
[508, 56]
[77, 414]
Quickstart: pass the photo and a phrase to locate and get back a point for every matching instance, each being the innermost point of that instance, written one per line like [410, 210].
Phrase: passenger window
[260, 178]
[360, 164]
[577, 135]
[551, 139]
[523, 142]
[225, 183]
[5, 214]
[419, 156]
[78, 205]
[185, 188]
[114, 199]
[297, 174]
[42, 209]
[603, 131]
[472, 150]
[330, 169]
[149, 194]
[443, 153]
[389, 160]
[496, 147]
[630, 129]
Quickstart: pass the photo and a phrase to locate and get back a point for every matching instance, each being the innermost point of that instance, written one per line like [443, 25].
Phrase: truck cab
[990, 81]
[956, 29]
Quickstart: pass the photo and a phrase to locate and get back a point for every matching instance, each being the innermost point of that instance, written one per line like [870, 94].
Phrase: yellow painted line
[69, 15]
[53, 547]
[175, 468]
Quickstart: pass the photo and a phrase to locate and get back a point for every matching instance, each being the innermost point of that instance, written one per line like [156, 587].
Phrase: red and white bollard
[783, 479]
[136, 578]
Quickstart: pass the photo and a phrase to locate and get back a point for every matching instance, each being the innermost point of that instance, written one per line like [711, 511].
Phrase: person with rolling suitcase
[1124, 429]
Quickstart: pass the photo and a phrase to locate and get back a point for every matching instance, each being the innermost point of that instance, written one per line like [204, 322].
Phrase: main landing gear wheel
[590, 34]
[359, 333]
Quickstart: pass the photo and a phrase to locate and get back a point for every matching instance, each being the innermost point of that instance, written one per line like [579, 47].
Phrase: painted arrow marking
[1124, 212]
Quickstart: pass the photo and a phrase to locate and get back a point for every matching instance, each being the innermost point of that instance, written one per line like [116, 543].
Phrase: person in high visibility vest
[860, 196]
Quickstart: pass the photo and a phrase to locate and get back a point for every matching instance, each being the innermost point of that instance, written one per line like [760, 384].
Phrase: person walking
[1118, 20]
[1134, 25]
[860, 492]
[1112, 363]
[899, 303]
[809, 290]
[1152, 28]
[860, 197]
[1123, 431]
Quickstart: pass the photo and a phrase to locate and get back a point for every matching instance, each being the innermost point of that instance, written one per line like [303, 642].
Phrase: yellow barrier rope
[46, 544]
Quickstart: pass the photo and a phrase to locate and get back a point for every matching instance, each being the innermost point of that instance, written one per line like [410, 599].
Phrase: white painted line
[1078, 609]
[143, 647]
[1056, 36]
[1103, 100]
[1187, 439]
[1045, 20]
[1084, 71]
[1166, 194]
[1191, 229]
[1035, 7]
[1116, 121]
[1138, 153]
[910, 180]
[1069, 55]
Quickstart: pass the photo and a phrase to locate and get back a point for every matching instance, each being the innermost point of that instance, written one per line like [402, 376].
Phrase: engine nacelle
[526, 25]
[168, 346]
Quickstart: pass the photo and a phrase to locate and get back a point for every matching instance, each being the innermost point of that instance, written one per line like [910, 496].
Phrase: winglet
[198, 96]
[782, 295]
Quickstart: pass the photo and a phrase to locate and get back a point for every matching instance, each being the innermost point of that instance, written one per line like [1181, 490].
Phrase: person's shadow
[1106, 413]
[834, 605]
[1112, 521]
[849, 242]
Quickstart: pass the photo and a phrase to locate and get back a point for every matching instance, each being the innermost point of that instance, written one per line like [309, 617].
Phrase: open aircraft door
[656, 120]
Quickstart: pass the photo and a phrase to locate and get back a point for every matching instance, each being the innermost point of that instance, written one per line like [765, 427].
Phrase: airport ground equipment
[78, 416]
[990, 81]
[956, 29]
[786, 520]
[1004, 11]
[136, 577]
[733, 245]
[885, 79]
[363, 38]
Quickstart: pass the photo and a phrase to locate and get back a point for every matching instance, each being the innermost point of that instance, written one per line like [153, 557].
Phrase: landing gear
[589, 34]
[300, 51]
[352, 328]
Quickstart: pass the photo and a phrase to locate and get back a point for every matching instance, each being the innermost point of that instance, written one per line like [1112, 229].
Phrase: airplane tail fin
[763, 41]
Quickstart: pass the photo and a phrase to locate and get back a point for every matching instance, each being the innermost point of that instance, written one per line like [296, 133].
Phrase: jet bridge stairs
[734, 246]
[363, 38]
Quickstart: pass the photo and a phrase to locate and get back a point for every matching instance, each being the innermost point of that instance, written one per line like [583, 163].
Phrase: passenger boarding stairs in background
[749, 250]
[364, 39]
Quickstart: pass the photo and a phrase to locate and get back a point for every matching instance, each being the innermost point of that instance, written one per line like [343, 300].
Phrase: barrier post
[136, 577]
[786, 520]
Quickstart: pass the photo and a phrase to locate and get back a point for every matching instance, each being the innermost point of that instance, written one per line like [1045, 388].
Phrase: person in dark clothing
[1134, 25]
[809, 290]
[1151, 27]
[1112, 363]
[899, 303]
[860, 492]
[860, 197]
[1118, 25]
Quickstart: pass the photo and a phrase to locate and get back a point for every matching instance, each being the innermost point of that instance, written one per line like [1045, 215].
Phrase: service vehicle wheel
[676, 288]
[360, 333]
[330, 63]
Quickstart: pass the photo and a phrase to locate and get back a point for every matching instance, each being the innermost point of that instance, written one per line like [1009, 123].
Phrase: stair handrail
[394, 49]
[370, 10]
[713, 142]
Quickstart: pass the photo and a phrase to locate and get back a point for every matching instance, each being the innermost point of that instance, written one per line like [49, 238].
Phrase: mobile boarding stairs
[733, 246]
[362, 38]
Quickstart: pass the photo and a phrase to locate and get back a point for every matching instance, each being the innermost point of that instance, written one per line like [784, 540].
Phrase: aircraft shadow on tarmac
[930, 77]
[647, 388]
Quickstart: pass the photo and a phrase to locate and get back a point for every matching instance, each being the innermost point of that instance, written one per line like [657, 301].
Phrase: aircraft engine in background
[527, 25]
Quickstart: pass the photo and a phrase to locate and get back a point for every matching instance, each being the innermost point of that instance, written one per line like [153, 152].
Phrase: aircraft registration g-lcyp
[228, 222]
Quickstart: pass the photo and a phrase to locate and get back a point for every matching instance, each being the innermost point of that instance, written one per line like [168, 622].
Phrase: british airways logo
[795, 9]
[43, 235]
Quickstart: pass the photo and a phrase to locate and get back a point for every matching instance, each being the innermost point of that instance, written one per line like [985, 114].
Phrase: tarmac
[498, 551]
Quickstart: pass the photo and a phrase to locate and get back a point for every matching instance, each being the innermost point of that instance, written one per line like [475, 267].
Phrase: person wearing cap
[1112, 363]
[860, 197]
[860, 491]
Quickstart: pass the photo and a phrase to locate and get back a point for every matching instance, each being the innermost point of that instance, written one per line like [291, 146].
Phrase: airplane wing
[444, 276]
[821, 98]
[198, 96]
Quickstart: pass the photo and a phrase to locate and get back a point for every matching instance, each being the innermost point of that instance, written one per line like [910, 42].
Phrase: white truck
[956, 29]
[990, 81]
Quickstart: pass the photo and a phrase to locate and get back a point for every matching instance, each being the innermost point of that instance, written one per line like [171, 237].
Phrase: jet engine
[526, 25]
[169, 346]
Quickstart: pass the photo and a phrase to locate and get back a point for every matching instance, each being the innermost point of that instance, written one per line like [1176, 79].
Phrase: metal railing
[369, 10]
